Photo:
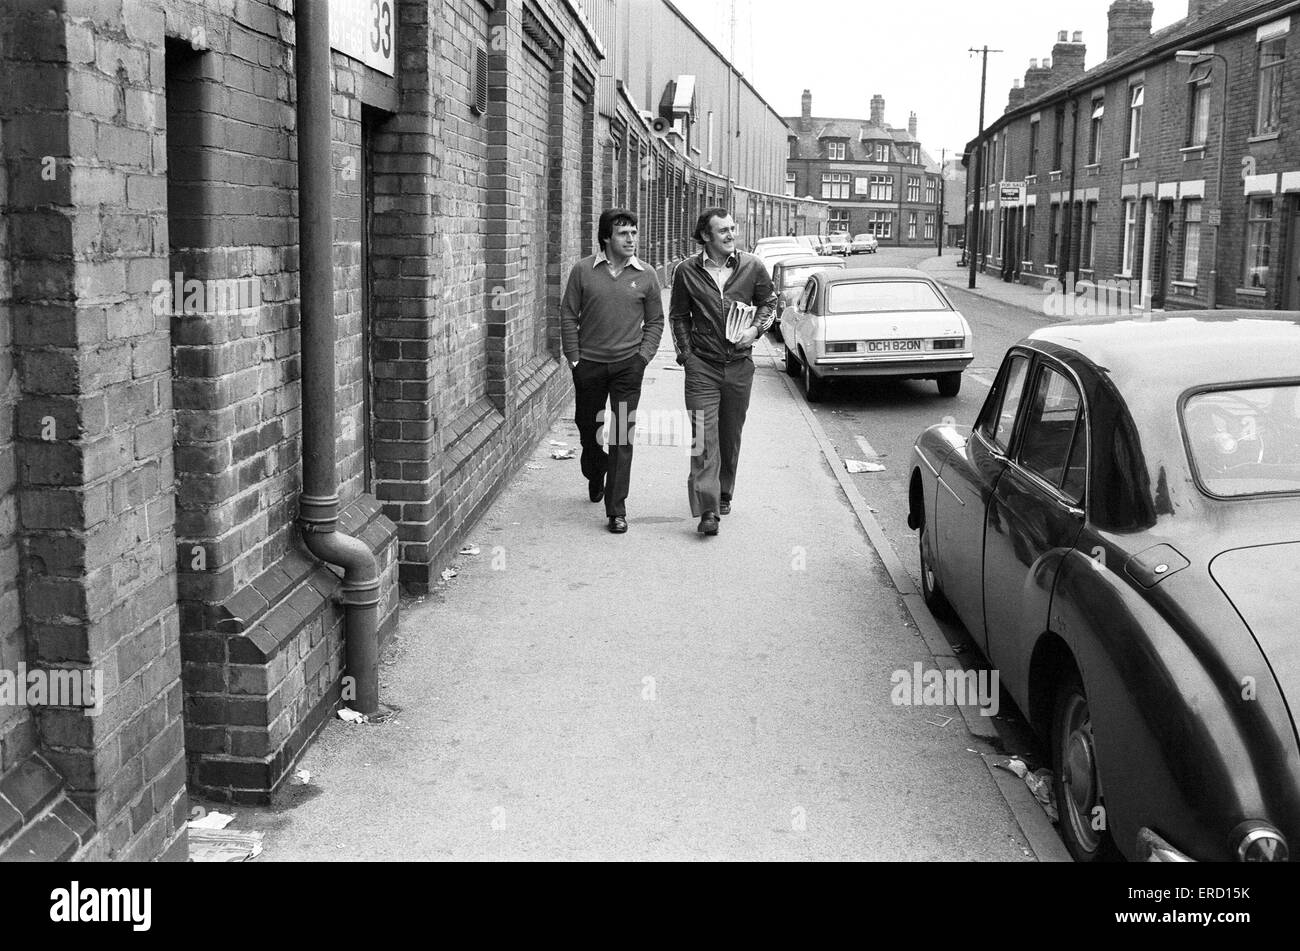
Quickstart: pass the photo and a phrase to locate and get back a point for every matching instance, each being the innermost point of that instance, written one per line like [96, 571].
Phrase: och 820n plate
[893, 346]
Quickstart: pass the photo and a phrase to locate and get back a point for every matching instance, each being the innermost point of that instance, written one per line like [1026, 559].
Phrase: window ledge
[1031, 179]
[1187, 288]
[1251, 292]
[1265, 137]
[1124, 276]
[1189, 149]
[1055, 175]
[1130, 160]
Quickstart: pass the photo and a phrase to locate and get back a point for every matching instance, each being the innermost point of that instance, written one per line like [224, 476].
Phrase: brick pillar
[95, 473]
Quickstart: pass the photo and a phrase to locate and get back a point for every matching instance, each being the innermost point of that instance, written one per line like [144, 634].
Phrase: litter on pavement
[472, 550]
[210, 820]
[562, 454]
[1039, 781]
[224, 845]
[449, 573]
[351, 716]
[857, 465]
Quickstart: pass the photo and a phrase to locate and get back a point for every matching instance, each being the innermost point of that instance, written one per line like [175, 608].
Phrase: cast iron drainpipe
[318, 506]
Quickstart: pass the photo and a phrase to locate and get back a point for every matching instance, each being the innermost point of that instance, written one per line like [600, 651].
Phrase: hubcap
[1079, 772]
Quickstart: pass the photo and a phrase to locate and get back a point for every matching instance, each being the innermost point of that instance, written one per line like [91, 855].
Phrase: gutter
[318, 505]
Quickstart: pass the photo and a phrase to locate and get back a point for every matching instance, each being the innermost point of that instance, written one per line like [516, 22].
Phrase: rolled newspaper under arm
[740, 317]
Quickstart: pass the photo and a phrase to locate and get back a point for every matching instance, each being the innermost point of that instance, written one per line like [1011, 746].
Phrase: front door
[1164, 253]
[1034, 518]
[1291, 299]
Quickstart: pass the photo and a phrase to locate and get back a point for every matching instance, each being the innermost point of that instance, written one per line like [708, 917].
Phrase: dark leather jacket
[698, 312]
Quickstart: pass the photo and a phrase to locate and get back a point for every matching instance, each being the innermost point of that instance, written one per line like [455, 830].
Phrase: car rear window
[873, 297]
[1245, 441]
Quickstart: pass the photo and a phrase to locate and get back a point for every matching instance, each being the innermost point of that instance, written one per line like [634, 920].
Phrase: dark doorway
[1291, 292]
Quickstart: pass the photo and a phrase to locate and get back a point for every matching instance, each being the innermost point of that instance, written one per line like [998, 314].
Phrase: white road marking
[868, 452]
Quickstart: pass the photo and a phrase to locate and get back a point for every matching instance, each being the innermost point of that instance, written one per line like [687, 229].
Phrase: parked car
[864, 244]
[773, 253]
[775, 241]
[836, 244]
[880, 322]
[789, 276]
[1120, 534]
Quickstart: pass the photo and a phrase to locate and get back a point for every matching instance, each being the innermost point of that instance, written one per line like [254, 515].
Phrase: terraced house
[1171, 170]
[278, 320]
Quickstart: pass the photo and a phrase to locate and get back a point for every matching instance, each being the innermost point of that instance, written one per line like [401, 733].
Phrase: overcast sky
[913, 53]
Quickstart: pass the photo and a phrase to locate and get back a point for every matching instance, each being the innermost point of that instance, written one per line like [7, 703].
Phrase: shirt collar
[730, 263]
[632, 261]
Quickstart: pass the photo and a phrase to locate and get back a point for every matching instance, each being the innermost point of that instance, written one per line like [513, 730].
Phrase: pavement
[988, 285]
[577, 695]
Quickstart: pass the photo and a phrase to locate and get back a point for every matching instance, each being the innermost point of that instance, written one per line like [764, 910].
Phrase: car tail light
[842, 347]
[1257, 841]
[952, 343]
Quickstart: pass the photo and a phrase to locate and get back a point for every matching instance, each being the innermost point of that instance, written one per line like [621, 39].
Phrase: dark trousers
[619, 384]
[717, 398]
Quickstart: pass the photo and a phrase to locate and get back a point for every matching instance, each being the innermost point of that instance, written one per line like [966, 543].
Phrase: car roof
[854, 275]
[805, 259]
[1184, 348]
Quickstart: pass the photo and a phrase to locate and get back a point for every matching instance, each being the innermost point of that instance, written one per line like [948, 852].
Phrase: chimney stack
[1067, 57]
[805, 120]
[911, 126]
[1037, 79]
[878, 110]
[1198, 8]
[1017, 97]
[1130, 24]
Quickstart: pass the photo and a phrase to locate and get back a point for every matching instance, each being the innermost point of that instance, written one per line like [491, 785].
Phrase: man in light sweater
[611, 320]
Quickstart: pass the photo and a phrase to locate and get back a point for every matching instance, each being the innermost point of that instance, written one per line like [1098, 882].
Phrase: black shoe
[596, 489]
[708, 524]
[617, 525]
[725, 507]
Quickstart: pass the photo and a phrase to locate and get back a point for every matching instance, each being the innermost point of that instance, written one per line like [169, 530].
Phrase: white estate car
[878, 322]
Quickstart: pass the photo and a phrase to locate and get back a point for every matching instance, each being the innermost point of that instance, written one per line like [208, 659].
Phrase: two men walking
[611, 321]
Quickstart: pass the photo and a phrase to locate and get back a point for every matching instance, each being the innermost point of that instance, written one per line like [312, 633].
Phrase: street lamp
[1192, 58]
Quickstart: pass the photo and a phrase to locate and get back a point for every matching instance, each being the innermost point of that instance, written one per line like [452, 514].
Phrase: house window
[1259, 226]
[835, 151]
[1033, 148]
[1136, 97]
[1198, 106]
[1029, 232]
[880, 223]
[931, 191]
[929, 226]
[839, 220]
[881, 188]
[1268, 113]
[913, 188]
[1191, 239]
[835, 185]
[880, 152]
[794, 147]
[1058, 147]
[1130, 236]
[1054, 237]
[911, 226]
[1090, 239]
[1094, 140]
[790, 182]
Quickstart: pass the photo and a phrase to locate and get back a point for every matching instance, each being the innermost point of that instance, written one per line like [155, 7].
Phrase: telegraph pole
[979, 167]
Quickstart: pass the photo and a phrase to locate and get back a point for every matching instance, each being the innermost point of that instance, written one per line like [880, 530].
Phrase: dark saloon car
[789, 275]
[1120, 533]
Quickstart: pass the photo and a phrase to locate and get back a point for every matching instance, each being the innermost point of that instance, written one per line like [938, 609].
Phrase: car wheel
[949, 384]
[791, 362]
[930, 590]
[1076, 780]
[813, 386]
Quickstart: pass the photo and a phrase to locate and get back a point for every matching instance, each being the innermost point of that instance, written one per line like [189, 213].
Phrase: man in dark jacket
[719, 368]
[611, 319]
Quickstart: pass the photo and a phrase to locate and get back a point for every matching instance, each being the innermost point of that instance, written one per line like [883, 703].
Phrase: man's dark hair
[610, 219]
[701, 233]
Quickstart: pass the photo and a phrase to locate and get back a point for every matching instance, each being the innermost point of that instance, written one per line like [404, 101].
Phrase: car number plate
[892, 346]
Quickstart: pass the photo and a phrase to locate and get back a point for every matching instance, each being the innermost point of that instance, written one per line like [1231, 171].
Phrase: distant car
[789, 276]
[836, 244]
[1120, 534]
[864, 244]
[879, 322]
[775, 241]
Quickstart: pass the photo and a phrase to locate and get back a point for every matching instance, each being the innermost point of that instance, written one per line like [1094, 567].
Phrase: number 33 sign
[364, 30]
